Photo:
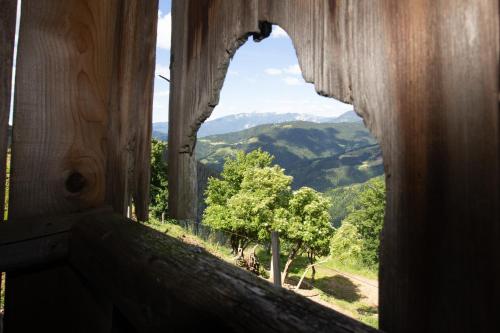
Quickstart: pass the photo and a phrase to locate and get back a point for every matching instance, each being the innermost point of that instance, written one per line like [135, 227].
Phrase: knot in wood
[75, 182]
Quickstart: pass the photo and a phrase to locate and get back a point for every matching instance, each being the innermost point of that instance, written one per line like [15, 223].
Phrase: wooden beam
[162, 284]
[35, 243]
[34, 250]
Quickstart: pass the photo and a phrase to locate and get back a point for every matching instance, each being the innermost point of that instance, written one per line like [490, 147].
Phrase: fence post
[275, 259]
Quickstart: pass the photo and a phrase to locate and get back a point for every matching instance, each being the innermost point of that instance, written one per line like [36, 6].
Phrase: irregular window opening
[266, 109]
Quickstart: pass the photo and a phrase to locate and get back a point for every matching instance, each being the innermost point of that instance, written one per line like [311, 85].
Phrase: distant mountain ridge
[242, 121]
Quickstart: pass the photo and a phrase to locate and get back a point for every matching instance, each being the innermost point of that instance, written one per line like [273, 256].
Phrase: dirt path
[368, 288]
[361, 292]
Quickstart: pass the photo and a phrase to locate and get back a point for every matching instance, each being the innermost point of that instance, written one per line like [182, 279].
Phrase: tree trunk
[244, 244]
[310, 256]
[234, 241]
[291, 256]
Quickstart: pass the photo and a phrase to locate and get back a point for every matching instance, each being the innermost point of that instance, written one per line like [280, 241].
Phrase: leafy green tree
[347, 244]
[305, 227]
[363, 224]
[159, 183]
[247, 198]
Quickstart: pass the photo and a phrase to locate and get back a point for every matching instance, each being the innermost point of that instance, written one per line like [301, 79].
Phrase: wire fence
[217, 237]
[222, 238]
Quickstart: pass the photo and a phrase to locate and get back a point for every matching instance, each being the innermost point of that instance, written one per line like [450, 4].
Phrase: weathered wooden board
[7, 37]
[81, 129]
[63, 88]
[87, 144]
[163, 284]
[64, 76]
[131, 109]
[35, 243]
[424, 76]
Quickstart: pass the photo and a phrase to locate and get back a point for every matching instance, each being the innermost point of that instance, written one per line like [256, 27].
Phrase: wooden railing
[158, 283]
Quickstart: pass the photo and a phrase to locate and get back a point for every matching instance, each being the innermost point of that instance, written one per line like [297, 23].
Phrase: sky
[262, 77]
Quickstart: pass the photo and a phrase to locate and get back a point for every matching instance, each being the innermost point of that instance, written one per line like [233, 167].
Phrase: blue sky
[262, 77]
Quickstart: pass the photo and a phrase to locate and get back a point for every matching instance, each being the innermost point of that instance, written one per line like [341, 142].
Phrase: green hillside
[341, 198]
[322, 156]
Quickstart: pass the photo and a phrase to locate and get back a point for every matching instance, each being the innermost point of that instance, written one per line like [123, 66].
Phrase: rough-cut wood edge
[162, 284]
[7, 38]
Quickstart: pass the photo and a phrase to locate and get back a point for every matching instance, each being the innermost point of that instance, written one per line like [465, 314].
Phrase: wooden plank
[7, 37]
[64, 74]
[35, 243]
[231, 22]
[131, 108]
[163, 284]
[424, 76]
[33, 254]
[63, 89]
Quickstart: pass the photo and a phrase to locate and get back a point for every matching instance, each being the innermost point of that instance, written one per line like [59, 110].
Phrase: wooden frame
[424, 77]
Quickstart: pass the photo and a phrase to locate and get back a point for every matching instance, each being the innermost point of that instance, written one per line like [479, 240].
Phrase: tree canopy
[253, 198]
[247, 197]
[358, 239]
[305, 226]
[159, 182]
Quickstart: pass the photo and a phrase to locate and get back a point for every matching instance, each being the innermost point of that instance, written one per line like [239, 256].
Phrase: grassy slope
[333, 288]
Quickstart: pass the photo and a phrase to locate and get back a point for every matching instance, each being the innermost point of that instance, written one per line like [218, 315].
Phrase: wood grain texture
[64, 74]
[424, 76]
[163, 284]
[63, 88]
[36, 243]
[131, 109]
[82, 130]
[7, 37]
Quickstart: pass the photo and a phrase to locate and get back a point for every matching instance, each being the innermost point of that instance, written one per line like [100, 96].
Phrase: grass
[332, 288]
[5, 215]
[176, 231]
[2, 291]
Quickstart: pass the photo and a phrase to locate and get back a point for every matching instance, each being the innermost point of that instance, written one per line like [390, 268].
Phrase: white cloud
[233, 73]
[293, 69]
[278, 32]
[292, 81]
[273, 71]
[162, 70]
[290, 70]
[164, 37]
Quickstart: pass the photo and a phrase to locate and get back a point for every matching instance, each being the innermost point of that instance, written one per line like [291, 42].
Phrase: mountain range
[319, 155]
[242, 121]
